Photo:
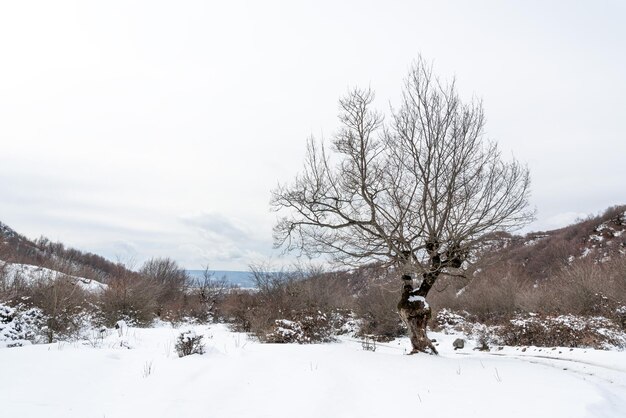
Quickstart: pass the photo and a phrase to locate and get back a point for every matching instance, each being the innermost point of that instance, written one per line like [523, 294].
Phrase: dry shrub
[67, 307]
[494, 293]
[449, 321]
[377, 311]
[129, 297]
[585, 288]
[158, 290]
[582, 305]
[240, 309]
[12, 286]
[561, 331]
[205, 297]
[302, 288]
[168, 283]
[314, 299]
[461, 322]
[305, 328]
[188, 343]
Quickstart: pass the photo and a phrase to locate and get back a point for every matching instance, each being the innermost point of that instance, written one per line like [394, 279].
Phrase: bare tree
[169, 280]
[416, 192]
[61, 299]
[210, 291]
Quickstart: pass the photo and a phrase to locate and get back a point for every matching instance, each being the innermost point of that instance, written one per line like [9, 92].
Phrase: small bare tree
[210, 292]
[417, 192]
[170, 282]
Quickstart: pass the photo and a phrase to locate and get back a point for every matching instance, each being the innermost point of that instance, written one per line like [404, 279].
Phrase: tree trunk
[415, 313]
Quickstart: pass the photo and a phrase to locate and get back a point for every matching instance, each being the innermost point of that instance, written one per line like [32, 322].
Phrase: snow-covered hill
[6, 232]
[140, 375]
[541, 254]
[17, 248]
[30, 274]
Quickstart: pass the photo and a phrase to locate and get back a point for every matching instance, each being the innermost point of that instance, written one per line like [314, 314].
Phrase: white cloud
[116, 119]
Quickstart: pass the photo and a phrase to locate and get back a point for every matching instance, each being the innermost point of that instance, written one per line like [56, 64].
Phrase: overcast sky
[136, 129]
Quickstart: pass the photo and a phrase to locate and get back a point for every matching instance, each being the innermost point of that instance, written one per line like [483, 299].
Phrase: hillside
[41, 252]
[539, 254]
[29, 275]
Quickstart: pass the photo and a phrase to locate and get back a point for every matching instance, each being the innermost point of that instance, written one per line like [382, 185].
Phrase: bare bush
[586, 288]
[305, 328]
[376, 309]
[169, 283]
[65, 304]
[240, 309]
[294, 296]
[131, 297]
[188, 343]
[561, 331]
[158, 290]
[206, 295]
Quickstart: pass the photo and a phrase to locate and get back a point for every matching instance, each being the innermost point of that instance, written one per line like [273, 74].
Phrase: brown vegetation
[307, 303]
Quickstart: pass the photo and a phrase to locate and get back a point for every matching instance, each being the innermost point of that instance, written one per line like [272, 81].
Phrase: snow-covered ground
[238, 377]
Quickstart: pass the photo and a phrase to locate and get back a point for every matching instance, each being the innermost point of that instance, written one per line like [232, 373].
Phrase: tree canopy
[418, 189]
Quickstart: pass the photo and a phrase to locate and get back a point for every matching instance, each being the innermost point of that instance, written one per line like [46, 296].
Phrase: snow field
[238, 377]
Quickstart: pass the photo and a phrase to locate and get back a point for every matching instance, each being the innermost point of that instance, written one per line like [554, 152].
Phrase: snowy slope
[238, 377]
[31, 274]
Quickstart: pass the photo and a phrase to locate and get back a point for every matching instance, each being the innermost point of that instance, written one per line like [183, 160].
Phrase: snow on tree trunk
[415, 312]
